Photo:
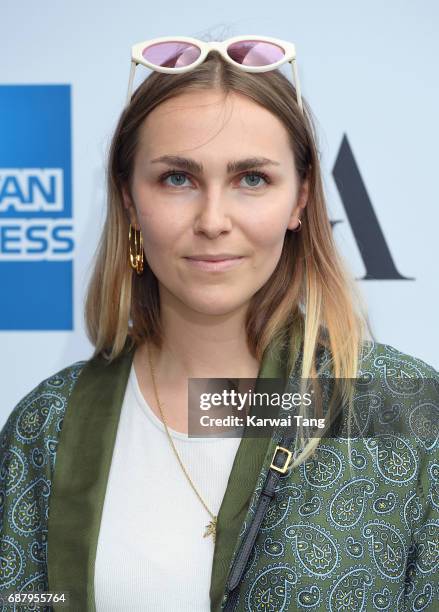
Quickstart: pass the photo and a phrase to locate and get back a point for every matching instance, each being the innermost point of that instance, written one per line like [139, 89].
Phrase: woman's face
[198, 191]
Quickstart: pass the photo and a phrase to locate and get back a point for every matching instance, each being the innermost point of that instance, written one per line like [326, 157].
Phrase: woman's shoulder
[402, 393]
[397, 394]
[379, 361]
[41, 410]
[392, 375]
[392, 362]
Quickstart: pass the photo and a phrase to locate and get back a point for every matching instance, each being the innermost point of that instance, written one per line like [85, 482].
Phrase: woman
[105, 496]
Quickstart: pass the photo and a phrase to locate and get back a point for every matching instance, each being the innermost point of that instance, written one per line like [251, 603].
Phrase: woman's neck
[196, 345]
[192, 351]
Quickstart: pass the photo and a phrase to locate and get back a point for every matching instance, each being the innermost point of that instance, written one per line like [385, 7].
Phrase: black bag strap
[282, 458]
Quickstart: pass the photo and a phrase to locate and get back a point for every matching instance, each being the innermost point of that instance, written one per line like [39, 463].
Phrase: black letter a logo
[365, 227]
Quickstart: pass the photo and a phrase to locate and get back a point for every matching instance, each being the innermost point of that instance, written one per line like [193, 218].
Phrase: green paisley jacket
[330, 539]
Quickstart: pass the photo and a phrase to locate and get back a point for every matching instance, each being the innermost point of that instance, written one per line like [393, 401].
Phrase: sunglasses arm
[130, 82]
[297, 84]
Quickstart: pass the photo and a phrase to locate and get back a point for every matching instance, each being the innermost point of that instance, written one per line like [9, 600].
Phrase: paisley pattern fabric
[346, 531]
[347, 541]
[28, 444]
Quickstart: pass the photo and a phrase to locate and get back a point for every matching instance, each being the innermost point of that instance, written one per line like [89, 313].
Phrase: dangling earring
[298, 228]
[136, 259]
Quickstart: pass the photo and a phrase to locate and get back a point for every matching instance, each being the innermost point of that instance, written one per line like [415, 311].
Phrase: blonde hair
[311, 291]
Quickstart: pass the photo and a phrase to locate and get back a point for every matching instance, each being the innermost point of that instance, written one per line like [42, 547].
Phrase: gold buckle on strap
[284, 468]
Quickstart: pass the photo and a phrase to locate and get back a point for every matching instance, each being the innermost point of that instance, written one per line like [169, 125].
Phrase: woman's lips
[214, 266]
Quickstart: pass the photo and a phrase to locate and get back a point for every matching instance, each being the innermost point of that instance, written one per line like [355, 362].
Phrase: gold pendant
[211, 529]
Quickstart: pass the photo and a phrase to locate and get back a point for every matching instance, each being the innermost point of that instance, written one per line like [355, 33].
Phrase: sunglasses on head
[176, 54]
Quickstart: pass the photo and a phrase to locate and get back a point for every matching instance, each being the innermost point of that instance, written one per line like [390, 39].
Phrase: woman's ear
[130, 207]
[302, 201]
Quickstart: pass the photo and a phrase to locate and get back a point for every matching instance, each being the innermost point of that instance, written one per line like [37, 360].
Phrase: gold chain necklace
[211, 527]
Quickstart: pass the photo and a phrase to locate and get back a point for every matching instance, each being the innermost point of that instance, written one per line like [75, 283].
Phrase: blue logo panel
[36, 225]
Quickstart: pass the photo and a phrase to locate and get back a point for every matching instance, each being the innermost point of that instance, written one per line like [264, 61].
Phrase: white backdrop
[369, 72]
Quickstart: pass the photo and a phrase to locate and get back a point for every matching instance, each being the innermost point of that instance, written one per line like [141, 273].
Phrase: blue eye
[259, 175]
[182, 176]
[173, 174]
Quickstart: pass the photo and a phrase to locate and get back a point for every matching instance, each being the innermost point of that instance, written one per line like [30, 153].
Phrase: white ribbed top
[151, 554]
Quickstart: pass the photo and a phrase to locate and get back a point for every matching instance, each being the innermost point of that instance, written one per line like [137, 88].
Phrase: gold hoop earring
[136, 258]
[298, 228]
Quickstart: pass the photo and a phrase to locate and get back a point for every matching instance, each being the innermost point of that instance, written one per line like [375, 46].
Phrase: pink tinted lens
[171, 54]
[255, 53]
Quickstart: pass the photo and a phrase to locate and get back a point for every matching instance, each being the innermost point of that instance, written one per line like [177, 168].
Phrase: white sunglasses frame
[220, 46]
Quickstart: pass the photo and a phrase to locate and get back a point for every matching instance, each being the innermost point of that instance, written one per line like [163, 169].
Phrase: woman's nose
[213, 216]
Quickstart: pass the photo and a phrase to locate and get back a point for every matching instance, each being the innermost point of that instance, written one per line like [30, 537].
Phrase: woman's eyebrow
[185, 163]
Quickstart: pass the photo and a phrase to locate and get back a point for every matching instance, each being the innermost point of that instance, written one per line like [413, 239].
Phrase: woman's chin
[215, 307]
